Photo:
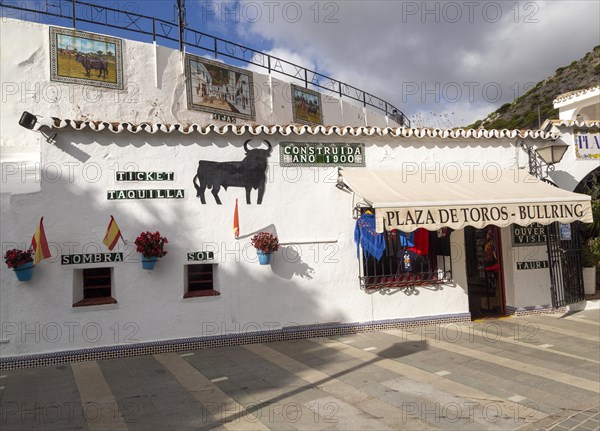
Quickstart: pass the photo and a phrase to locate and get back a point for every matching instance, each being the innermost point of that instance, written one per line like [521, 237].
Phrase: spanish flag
[236, 221]
[40, 244]
[113, 233]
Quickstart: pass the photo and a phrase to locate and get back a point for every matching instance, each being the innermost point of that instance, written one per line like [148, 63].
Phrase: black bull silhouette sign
[249, 173]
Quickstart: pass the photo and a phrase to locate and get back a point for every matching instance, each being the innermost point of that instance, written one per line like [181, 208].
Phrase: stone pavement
[529, 373]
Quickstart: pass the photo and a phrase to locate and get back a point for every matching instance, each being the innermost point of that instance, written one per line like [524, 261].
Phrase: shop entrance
[484, 271]
[565, 265]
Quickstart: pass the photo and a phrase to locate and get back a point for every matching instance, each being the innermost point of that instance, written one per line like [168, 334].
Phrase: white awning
[458, 198]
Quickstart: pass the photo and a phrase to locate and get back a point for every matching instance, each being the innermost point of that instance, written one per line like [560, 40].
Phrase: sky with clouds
[443, 63]
[455, 60]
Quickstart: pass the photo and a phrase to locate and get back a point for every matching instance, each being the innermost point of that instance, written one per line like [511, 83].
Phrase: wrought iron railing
[74, 12]
[400, 281]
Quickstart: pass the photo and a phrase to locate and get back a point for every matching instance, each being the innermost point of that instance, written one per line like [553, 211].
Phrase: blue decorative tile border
[534, 309]
[196, 343]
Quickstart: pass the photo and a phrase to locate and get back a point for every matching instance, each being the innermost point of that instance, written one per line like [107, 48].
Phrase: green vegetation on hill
[522, 113]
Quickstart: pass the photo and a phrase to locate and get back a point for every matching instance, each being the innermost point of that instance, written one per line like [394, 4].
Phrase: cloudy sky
[443, 63]
[438, 61]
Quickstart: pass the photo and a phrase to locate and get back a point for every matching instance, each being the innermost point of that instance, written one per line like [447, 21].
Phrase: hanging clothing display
[407, 260]
[373, 243]
[441, 242]
[407, 239]
[490, 250]
[421, 242]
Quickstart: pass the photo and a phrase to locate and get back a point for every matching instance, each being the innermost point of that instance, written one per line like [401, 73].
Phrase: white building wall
[308, 283]
[571, 170]
[315, 282]
[154, 89]
[524, 287]
[585, 102]
[582, 105]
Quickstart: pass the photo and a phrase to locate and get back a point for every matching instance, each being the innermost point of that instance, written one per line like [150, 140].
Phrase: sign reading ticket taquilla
[409, 219]
[321, 154]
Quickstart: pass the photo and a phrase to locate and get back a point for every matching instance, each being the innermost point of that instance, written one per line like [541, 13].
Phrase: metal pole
[74, 12]
[181, 21]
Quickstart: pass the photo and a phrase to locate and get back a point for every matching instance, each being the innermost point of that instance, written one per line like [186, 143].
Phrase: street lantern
[542, 159]
[552, 154]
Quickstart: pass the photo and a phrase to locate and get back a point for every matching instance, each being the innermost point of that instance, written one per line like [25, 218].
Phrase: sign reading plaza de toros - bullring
[321, 154]
[408, 219]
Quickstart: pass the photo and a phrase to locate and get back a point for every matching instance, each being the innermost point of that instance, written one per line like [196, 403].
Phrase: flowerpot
[24, 272]
[264, 258]
[149, 262]
[589, 280]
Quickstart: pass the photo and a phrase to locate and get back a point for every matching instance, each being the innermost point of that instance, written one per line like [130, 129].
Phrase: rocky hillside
[522, 113]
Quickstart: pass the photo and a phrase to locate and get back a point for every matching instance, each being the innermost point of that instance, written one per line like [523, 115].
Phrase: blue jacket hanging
[373, 243]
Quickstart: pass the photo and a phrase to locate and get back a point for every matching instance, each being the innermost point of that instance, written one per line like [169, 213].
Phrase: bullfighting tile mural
[78, 57]
[306, 106]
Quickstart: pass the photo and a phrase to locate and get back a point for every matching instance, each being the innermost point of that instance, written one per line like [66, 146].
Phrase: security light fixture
[35, 122]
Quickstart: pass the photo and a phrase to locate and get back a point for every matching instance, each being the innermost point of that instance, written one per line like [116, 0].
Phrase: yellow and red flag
[236, 221]
[40, 244]
[113, 233]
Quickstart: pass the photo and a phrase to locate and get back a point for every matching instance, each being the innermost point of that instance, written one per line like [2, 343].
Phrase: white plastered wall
[154, 89]
[314, 282]
[524, 287]
[309, 283]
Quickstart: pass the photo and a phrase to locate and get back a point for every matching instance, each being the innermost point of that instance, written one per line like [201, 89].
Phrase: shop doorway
[484, 271]
[566, 274]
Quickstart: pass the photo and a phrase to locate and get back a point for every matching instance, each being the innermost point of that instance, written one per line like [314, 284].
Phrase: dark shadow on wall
[71, 150]
[288, 263]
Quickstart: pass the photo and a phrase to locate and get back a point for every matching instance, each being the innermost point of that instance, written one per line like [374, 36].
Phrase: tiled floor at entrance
[530, 373]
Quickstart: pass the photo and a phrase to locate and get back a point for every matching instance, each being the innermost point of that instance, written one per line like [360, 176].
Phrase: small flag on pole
[113, 233]
[236, 221]
[40, 244]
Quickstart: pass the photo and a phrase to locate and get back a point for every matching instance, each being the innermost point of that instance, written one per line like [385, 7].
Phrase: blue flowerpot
[264, 258]
[149, 262]
[24, 272]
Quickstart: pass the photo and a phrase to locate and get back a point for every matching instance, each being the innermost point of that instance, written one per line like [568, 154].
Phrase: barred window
[200, 280]
[97, 284]
[419, 258]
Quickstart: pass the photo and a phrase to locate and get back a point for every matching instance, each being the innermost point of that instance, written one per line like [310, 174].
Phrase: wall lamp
[35, 123]
[542, 159]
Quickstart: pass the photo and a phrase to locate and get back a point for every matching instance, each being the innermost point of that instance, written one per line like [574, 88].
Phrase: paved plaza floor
[531, 373]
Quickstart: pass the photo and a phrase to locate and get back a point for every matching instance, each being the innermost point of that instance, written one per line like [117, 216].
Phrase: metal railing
[74, 12]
